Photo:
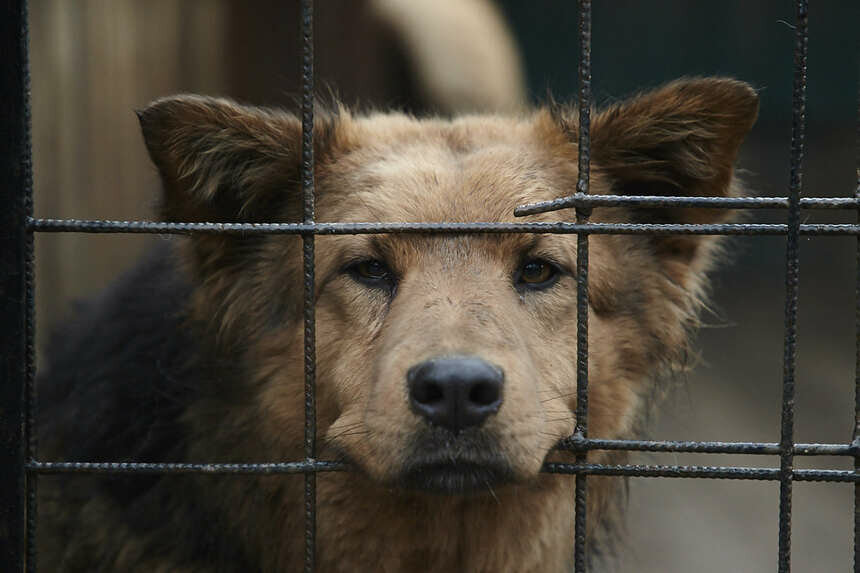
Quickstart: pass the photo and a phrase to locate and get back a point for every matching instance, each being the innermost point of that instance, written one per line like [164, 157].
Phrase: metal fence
[18, 453]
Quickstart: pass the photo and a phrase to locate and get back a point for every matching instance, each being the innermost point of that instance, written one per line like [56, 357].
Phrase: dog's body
[446, 364]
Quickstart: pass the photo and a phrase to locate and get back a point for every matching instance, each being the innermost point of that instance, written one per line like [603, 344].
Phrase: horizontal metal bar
[760, 448]
[709, 472]
[154, 227]
[183, 468]
[826, 449]
[713, 472]
[581, 200]
[573, 444]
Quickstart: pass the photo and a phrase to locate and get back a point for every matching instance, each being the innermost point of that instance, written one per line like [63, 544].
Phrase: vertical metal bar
[30, 343]
[16, 375]
[31, 430]
[307, 73]
[582, 185]
[856, 438]
[786, 463]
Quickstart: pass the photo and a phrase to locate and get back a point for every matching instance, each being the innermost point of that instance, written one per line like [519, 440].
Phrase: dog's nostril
[456, 392]
[428, 393]
[484, 393]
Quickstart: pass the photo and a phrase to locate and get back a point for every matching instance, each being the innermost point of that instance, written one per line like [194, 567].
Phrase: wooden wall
[93, 62]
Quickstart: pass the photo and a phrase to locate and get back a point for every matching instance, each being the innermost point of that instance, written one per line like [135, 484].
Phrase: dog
[446, 363]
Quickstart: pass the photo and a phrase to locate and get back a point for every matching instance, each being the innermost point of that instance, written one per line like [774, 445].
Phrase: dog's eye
[537, 274]
[372, 273]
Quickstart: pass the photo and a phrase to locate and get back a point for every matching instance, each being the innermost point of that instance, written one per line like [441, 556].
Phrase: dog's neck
[522, 528]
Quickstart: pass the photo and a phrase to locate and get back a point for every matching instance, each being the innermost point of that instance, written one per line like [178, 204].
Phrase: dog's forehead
[474, 169]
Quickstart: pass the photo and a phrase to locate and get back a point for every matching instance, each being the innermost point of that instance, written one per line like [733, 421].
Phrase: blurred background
[95, 61]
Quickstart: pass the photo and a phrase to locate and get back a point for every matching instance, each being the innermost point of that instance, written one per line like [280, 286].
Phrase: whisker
[492, 491]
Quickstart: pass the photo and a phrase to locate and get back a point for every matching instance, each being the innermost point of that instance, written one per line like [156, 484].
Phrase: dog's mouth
[456, 477]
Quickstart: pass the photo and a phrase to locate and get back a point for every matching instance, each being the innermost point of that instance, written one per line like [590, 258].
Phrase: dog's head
[447, 362]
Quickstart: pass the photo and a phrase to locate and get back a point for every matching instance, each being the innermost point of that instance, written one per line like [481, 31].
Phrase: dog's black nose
[456, 392]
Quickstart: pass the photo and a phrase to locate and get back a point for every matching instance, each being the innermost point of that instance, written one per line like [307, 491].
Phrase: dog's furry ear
[680, 139]
[225, 162]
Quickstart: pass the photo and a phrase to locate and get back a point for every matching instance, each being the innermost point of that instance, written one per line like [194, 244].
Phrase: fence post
[15, 207]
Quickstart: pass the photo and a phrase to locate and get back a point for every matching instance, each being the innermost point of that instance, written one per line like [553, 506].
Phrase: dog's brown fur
[454, 295]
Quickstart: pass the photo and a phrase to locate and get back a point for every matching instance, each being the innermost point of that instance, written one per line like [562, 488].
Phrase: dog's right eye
[373, 273]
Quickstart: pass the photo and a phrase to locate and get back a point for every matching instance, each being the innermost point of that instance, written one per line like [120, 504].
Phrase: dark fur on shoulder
[122, 373]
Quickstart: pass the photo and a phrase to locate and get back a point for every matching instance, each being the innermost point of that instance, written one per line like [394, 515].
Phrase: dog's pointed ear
[225, 162]
[680, 139]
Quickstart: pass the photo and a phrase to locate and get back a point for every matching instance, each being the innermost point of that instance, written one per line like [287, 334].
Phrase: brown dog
[446, 363]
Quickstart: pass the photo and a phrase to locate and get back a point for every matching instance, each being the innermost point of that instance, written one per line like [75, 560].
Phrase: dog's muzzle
[455, 393]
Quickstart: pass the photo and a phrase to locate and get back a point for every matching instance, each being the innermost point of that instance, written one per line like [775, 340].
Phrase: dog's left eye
[373, 273]
[537, 274]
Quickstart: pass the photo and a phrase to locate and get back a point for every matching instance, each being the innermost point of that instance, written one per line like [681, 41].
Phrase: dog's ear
[225, 162]
[680, 139]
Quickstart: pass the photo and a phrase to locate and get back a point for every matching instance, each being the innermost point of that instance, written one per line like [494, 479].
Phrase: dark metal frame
[17, 392]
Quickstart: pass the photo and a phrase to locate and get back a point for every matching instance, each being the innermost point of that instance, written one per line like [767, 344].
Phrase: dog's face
[447, 362]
